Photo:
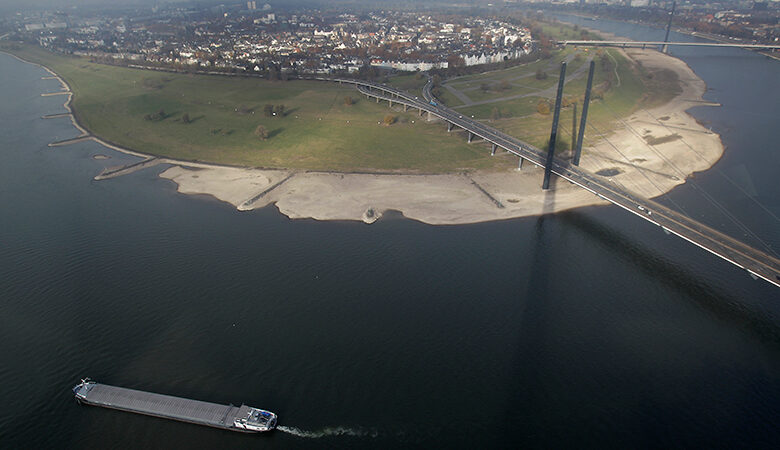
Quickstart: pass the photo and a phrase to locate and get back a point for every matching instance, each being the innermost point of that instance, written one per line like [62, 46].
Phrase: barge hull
[163, 406]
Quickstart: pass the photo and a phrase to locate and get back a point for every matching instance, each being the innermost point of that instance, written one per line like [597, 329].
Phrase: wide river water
[581, 329]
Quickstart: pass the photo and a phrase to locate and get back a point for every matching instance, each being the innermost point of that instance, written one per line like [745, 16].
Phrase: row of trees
[161, 115]
[156, 117]
[502, 85]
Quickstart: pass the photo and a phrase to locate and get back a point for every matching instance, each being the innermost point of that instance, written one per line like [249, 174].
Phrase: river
[585, 328]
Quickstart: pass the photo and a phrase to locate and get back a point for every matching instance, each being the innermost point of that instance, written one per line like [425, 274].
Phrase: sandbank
[652, 151]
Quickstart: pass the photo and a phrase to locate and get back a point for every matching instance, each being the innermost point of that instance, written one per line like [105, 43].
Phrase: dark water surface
[587, 328]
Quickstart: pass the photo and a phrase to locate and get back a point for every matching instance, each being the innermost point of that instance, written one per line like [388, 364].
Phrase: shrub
[261, 132]
[543, 107]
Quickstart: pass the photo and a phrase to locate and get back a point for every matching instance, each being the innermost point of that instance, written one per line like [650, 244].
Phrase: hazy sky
[14, 5]
[63, 4]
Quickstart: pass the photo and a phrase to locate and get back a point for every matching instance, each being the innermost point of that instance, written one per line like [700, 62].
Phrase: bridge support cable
[720, 172]
[602, 136]
[584, 118]
[695, 186]
[728, 215]
[554, 132]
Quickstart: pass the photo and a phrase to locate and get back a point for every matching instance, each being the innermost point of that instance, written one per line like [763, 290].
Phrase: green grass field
[631, 87]
[319, 131]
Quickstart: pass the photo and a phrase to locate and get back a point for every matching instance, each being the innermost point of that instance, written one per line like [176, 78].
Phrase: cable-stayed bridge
[645, 44]
[756, 262]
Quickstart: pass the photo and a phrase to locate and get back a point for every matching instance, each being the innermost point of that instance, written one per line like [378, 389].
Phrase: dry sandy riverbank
[680, 147]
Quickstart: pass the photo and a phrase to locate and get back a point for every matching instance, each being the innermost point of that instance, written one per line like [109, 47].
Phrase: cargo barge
[228, 417]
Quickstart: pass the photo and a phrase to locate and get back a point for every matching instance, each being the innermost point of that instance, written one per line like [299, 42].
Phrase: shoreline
[468, 197]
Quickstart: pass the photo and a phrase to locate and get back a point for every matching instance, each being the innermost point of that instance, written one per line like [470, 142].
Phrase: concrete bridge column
[471, 137]
[493, 150]
[406, 107]
[449, 126]
[520, 164]
[584, 117]
[421, 112]
[391, 103]
[554, 131]
[377, 99]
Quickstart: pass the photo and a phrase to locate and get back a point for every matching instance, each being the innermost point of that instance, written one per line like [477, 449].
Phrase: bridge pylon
[665, 48]
[584, 118]
[554, 132]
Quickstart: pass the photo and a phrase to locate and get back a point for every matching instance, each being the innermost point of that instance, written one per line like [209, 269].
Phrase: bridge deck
[681, 44]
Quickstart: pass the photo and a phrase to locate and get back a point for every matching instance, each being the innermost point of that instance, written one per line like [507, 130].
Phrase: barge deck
[235, 418]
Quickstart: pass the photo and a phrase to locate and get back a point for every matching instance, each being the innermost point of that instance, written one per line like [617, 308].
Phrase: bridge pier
[520, 164]
[390, 102]
[406, 107]
[377, 99]
[449, 127]
[471, 137]
[493, 150]
[421, 112]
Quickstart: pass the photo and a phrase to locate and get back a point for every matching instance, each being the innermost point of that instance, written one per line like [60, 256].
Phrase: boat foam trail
[329, 431]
